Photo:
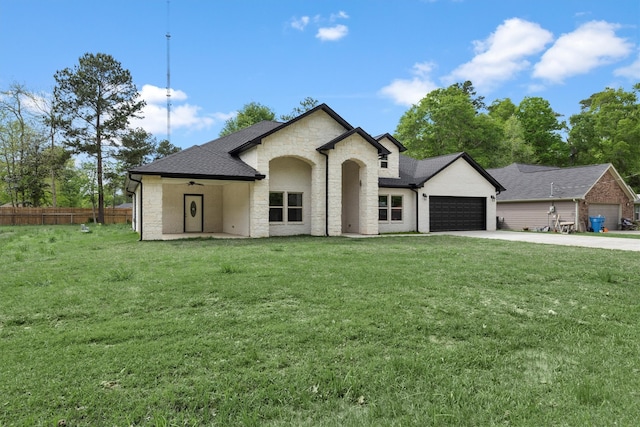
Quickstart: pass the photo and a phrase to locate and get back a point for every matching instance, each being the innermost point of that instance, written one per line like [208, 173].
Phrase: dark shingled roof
[199, 161]
[414, 173]
[219, 159]
[232, 141]
[533, 182]
[210, 160]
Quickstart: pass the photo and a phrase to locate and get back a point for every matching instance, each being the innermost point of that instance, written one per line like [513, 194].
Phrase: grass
[100, 329]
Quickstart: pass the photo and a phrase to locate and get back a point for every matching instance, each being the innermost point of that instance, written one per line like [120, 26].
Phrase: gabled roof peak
[331, 144]
[390, 137]
[258, 139]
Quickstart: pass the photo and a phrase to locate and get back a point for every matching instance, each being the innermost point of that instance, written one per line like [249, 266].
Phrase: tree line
[453, 119]
[74, 147]
[86, 119]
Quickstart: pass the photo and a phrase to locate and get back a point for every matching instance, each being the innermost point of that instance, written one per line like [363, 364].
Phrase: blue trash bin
[596, 223]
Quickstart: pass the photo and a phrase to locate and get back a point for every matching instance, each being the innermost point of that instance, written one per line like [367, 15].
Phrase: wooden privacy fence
[43, 216]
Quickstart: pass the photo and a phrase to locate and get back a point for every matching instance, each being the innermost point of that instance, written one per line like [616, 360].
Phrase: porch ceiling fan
[193, 183]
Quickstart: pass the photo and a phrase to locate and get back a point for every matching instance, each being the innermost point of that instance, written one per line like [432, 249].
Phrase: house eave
[548, 199]
[256, 177]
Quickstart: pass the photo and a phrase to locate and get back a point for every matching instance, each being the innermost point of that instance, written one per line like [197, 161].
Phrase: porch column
[334, 194]
[152, 208]
[368, 200]
[259, 209]
[318, 186]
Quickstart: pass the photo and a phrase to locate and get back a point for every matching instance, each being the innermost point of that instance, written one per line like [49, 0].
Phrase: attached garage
[448, 213]
[610, 212]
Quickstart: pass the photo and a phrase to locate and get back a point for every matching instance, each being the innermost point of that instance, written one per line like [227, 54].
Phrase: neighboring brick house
[538, 195]
[315, 174]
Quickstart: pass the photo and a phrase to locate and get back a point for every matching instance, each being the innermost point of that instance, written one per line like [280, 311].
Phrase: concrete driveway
[587, 240]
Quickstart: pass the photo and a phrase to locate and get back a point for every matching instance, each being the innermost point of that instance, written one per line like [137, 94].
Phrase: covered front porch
[168, 208]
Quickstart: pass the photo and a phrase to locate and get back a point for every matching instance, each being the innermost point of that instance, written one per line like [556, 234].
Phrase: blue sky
[367, 59]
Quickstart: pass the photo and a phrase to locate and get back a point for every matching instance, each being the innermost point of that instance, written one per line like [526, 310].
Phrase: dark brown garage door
[457, 213]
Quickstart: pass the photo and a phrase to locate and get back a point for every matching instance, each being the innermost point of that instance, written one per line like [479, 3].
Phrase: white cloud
[502, 55]
[632, 71]
[340, 15]
[183, 116]
[154, 94]
[300, 23]
[591, 45]
[326, 31]
[411, 91]
[332, 33]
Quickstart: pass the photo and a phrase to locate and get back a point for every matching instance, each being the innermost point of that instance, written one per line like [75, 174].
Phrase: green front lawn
[100, 329]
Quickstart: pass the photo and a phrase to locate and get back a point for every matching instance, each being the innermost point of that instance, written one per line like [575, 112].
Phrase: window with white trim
[285, 207]
[384, 161]
[390, 207]
[637, 213]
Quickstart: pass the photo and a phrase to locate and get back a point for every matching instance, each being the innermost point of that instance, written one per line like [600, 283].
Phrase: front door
[193, 213]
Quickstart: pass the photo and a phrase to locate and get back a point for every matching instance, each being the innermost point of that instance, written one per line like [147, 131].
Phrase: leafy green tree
[542, 131]
[93, 103]
[305, 105]
[55, 155]
[137, 147]
[502, 109]
[250, 114]
[514, 147]
[54, 160]
[114, 183]
[449, 120]
[164, 149]
[71, 184]
[22, 146]
[607, 129]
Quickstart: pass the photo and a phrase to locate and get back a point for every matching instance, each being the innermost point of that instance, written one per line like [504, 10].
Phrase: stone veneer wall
[152, 207]
[393, 160]
[366, 156]
[299, 140]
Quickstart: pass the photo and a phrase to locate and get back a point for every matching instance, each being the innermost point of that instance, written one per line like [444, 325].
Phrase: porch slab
[202, 236]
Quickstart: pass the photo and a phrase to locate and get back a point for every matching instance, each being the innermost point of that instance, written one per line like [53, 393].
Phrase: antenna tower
[168, 77]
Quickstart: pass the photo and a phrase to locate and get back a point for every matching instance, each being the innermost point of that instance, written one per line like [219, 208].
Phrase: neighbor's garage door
[457, 213]
[609, 212]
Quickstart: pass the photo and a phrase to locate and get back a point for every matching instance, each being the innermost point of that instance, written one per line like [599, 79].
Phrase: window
[384, 163]
[386, 210]
[281, 202]
[294, 207]
[637, 213]
[276, 207]
[396, 208]
[383, 206]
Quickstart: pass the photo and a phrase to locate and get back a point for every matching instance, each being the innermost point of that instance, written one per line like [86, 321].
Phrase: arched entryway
[351, 187]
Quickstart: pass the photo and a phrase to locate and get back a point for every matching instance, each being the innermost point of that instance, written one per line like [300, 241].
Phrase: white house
[315, 174]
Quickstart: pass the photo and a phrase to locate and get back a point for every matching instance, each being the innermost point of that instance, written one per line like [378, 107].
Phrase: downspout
[326, 192]
[141, 204]
[417, 209]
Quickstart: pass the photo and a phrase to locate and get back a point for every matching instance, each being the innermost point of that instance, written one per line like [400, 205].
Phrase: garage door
[457, 213]
[610, 213]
